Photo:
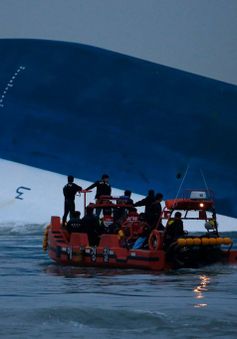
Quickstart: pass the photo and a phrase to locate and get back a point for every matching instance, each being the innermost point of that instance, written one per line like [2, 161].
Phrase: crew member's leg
[66, 211]
[71, 208]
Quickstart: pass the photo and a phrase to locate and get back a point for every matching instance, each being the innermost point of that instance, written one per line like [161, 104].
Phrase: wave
[100, 318]
[18, 228]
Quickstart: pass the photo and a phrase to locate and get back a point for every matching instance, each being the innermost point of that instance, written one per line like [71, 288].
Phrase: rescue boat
[117, 250]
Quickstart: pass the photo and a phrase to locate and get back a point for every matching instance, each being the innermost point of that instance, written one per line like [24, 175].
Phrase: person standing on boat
[103, 188]
[69, 191]
[174, 230]
[126, 198]
[121, 212]
[154, 216]
[147, 202]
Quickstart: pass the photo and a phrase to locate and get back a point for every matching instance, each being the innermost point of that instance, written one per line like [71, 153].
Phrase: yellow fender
[181, 242]
[227, 241]
[204, 241]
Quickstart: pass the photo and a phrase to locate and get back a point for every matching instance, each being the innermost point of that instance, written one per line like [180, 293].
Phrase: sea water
[40, 299]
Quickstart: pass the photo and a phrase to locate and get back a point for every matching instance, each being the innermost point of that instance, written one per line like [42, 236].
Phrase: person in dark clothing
[120, 213]
[90, 224]
[74, 224]
[102, 188]
[147, 202]
[155, 212]
[126, 198]
[69, 191]
[174, 230]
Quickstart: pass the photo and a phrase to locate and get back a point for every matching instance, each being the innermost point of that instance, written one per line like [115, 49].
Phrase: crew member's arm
[141, 202]
[92, 186]
[79, 188]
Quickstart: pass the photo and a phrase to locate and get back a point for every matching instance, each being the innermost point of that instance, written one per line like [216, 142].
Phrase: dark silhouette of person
[173, 230]
[126, 198]
[74, 224]
[103, 188]
[147, 202]
[154, 216]
[90, 224]
[121, 212]
[69, 191]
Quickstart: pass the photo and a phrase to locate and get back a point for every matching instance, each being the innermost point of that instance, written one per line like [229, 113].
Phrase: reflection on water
[200, 289]
[87, 272]
[84, 302]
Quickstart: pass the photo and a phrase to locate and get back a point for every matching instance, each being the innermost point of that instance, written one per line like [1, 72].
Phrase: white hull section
[30, 195]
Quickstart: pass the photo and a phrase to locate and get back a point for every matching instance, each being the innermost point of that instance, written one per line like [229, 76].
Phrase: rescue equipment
[155, 241]
[203, 241]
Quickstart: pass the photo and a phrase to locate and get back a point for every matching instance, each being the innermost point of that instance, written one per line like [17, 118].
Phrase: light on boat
[201, 204]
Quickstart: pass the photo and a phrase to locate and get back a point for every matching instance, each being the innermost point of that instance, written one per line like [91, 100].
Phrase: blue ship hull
[71, 108]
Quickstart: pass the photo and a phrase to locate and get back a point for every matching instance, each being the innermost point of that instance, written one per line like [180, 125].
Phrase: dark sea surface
[40, 299]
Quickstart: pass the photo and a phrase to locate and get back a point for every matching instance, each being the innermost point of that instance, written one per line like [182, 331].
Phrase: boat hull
[73, 249]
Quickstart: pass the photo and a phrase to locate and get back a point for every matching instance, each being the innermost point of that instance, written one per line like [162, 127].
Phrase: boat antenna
[181, 184]
[204, 180]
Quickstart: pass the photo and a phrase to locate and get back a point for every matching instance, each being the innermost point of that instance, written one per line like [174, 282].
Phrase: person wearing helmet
[69, 191]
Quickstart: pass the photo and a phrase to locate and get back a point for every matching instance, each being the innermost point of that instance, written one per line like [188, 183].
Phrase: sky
[199, 36]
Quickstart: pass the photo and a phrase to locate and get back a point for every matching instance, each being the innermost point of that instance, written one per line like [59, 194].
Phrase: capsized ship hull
[69, 107]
